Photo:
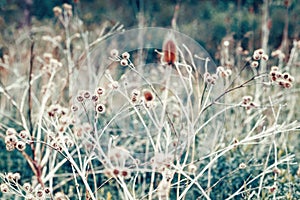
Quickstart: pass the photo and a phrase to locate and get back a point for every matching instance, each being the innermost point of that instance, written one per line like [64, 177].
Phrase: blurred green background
[206, 21]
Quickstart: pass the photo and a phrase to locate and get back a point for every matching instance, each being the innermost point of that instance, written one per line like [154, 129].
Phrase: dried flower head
[80, 98]
[11, 131]
[148, 96]
[24, 134]
[10, 147]
[95, 98]
[100, 91]
[256, 56]
[259, 51]
[16, 176]
[21, 145]
[116, 172]
[40, 193]
[114, 53]
[124, 62]
[125, 173]
[86, 94]
[254, 64]
[47, 190]
[4, 188]
[57, 11]
[11, 139]
[169, 49]
[100, 108]
[125, 55]
[74, 108]
[242, 166]
[27, 187]
[9, 176]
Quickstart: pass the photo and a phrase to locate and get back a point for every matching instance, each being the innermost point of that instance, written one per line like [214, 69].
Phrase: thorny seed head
[57, 11]
[259, 51]
[80, 98]
[9, 176]
[27, 187]
[125, 55]
[10, 147]
[169, 51]
[256, 56]
[287, 85]
[291, 79]
[100, 91]
[11, 139]
[124, 62]
[254, 64]
[148, 96]
[114, 53]
[40, 193]
[86, 94]
[11, 131]
[16, 176]
[21, 145]
[242, 166]
[125, 173]
[74, 108]
[47, 190]
[24, 134]
[95, 98]
[116, 172]
[100, 108]
[286, 75]
[247, 99]
[4, 188]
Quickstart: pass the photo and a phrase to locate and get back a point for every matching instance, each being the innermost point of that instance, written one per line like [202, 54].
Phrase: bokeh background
[206, 21]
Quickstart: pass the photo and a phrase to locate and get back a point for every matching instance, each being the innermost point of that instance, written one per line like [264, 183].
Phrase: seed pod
[169, 51]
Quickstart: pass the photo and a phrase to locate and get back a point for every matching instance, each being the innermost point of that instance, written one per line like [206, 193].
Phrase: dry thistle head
[125, 55]
[24, 134]
[27, 187]
[100, 108]
[114, 53]
[124, 62]
[40, 194]
[148, 96]
[11, 131]
[21, 146]
[100, 91]
[4, 188]
[169, 49]
[57, 11]
[242, 166]
[254, 64]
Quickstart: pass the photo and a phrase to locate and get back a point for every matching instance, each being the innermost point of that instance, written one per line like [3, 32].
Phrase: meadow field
[138, 100]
